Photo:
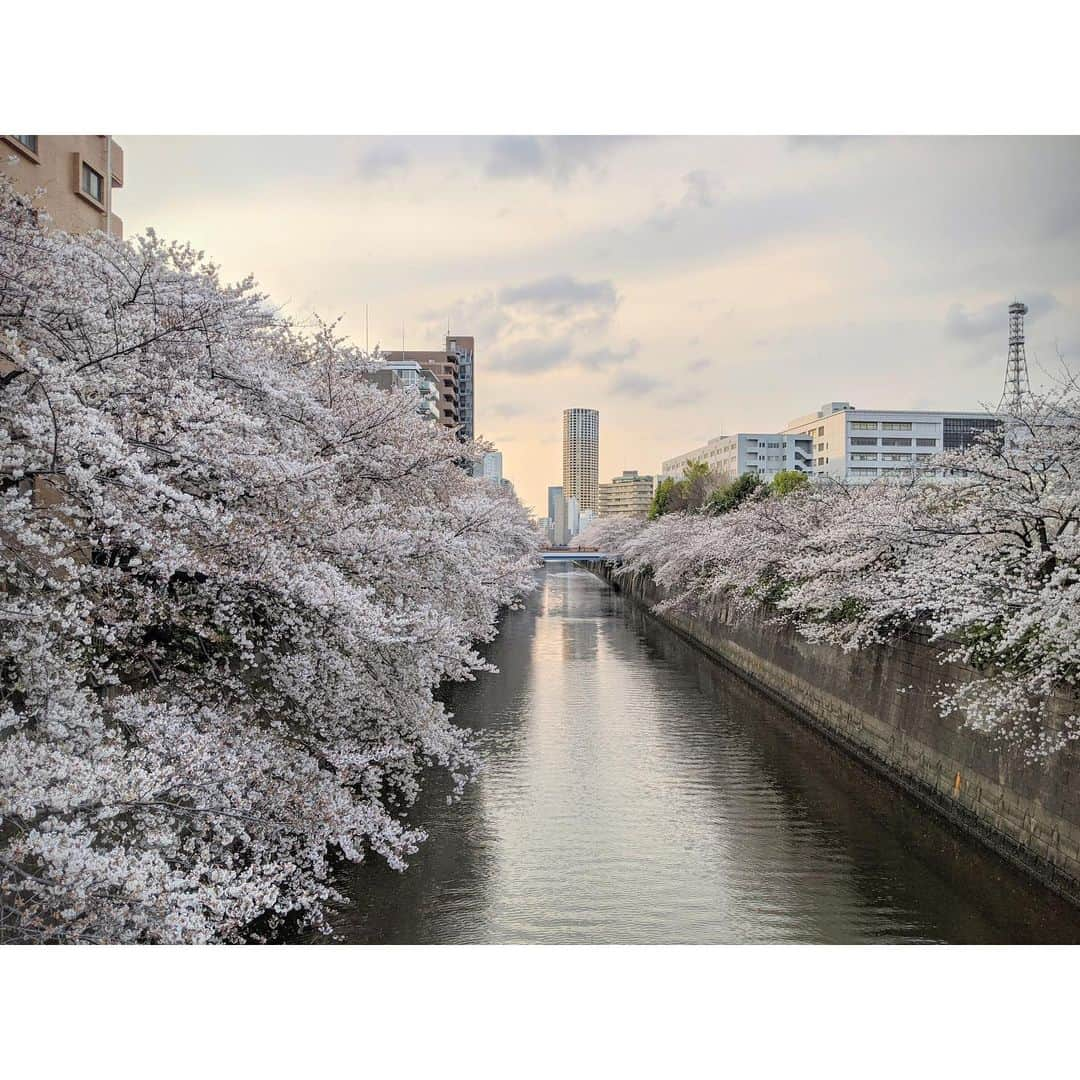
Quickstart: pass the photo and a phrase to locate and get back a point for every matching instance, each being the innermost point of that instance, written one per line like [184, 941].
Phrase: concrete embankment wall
[879, 705]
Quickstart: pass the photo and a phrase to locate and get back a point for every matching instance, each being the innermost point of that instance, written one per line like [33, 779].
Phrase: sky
[683, 286]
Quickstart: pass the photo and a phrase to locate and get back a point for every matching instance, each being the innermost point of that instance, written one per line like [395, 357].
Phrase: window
[93, 183]
[865, 472]
[926, 442]
[895, 425]
[864, 425]
[29, 141]
[864, 457]
[857, 440]
[960, 434]
[895, 442]
[896, 457]
[821, 430]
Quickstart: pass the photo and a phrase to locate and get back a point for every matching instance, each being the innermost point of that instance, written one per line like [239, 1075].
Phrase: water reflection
[635, 792]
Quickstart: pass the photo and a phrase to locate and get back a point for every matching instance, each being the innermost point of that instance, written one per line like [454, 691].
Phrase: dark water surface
[636, 792]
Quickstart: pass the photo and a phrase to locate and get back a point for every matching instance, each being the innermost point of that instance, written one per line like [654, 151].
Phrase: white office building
[865, 444]
[763, 454]
[490, 467]
[573, 518]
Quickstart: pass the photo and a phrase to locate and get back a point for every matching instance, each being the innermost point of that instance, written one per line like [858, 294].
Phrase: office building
[581, 454]
[573, 518]
[558, 534]
[762, 453]
[78, 173]
[626, 494]
[864, 444]
[490, 467]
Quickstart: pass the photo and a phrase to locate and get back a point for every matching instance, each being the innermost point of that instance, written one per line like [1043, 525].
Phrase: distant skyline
[681, 286]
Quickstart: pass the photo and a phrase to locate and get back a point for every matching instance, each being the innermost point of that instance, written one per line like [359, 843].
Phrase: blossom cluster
[234, 574]
[982, 549]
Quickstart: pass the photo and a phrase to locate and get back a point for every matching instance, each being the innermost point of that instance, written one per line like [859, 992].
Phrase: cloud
[561, 295]
[699, 365]
[960, 325]
[553, 157]
[530, 357]
[508, 409]
[634, 384]
[601, 359]
[700, 190]
[537, 325]
[823, 144]
[383, 159]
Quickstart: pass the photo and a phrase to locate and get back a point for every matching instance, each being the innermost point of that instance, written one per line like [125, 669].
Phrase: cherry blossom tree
[981, 548]
[609, 533]
[234, 574]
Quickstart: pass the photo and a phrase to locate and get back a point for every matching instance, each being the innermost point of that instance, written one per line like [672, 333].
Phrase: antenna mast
[1016, 386]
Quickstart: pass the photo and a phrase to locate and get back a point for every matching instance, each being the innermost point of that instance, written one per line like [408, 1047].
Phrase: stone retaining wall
[879, 705]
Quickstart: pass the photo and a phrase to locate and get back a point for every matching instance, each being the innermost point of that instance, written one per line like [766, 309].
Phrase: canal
[636, 792]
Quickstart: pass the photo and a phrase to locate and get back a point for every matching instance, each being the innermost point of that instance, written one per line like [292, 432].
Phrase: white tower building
[581, 457]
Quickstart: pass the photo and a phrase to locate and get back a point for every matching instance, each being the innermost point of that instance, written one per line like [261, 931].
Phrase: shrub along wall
[879, 705]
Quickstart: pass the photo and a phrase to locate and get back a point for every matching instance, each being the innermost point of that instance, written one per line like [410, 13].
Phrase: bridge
[565, 555]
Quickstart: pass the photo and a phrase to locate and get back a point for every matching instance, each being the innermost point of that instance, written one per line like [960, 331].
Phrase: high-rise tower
[581, 457]
[1016, 386]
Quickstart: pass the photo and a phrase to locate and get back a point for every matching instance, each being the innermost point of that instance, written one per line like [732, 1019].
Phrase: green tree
[661, 498]
[698, 480]
[788, 480]
[731, 495]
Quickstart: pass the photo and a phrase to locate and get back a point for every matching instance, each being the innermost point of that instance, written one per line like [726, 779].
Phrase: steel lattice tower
[1016, 386]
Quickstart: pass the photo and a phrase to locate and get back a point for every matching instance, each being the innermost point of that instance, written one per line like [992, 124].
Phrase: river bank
[878, 705]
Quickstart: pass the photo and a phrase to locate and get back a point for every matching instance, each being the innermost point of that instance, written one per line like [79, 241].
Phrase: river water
[636, 792]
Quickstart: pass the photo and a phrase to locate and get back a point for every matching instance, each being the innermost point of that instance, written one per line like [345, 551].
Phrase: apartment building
[444, 369]
[762, 454]
[629, 493]
[77, 172]
[463, 348]
[864, 444]
[410, 374]
[581, 457]
[454, 372]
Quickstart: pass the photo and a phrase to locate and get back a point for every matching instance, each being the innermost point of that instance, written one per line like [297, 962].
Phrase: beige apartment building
[78, 173]
[626, 494]
[444, 366]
